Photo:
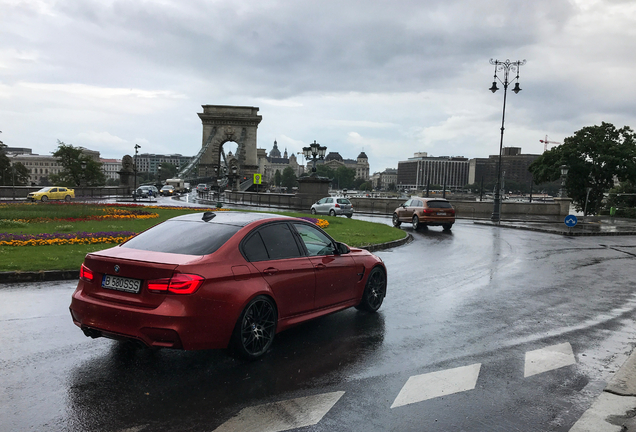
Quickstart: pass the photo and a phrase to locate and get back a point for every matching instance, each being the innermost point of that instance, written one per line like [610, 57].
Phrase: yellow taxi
[52, 193]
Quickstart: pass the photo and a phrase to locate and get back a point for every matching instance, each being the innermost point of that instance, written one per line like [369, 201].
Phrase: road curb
[38, 276]
[557, 230]
[388, 245]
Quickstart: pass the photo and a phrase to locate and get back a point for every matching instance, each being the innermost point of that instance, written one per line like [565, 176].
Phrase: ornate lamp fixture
[314, 152]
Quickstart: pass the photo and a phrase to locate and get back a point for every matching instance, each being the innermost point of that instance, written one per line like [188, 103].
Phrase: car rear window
[439, 204]
[183, 237]
[343, 201]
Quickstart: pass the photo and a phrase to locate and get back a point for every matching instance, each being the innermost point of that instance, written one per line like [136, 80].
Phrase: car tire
[67, 198]
[255, 329]
[396, 220]
[332, 212]
[349, 216]
[415, 222]
[313, 211]
[447, 227]
[374, 291]
[44, 198]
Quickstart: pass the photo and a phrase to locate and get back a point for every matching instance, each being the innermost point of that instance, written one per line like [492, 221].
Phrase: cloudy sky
[389, 78]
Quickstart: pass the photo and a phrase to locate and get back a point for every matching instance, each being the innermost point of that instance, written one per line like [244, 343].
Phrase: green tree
[595, 155]
[325, 171]
[72, 174]
[168, 171]
[344, 178]
[17, 174]
[278, 178]
[289, 179]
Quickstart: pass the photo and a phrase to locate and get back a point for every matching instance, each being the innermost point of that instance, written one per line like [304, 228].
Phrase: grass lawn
[69, 257]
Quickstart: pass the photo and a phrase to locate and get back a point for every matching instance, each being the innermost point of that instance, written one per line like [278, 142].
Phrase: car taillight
[86, 274]
[180, 283]
[337, 205]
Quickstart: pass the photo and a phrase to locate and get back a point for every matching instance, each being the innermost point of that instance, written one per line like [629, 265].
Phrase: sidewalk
[589, 226]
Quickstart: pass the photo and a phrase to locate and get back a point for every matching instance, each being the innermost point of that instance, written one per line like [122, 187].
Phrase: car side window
[329, 200]
[62, 189]
[417, 203]
[408, 203]
[316, 242]
[254, 248]
[279, 241]
[322, 201]
[53, 190]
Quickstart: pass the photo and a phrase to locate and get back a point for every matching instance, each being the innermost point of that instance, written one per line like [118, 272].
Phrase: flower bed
[7, 239]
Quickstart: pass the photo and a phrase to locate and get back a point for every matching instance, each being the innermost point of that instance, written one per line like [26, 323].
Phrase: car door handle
[270, 271]
[320, 266]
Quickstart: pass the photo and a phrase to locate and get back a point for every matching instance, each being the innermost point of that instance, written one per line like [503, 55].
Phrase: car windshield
[183, 237]
[439, 204]
[46, 189]
[167, 187]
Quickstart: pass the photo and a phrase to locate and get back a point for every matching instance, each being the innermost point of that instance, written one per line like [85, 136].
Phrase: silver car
[333, 206]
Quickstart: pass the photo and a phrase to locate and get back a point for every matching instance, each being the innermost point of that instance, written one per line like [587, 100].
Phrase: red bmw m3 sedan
[222, 280]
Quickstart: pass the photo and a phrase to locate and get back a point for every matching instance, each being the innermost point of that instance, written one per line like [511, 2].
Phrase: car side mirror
[342, 248]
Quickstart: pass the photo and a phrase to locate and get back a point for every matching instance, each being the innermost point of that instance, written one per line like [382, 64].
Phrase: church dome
[333, 156]
[275, 153]
[362, 155]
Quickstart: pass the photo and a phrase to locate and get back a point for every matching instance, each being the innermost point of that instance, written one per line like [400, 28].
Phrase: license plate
[121, 284]
[441, 214]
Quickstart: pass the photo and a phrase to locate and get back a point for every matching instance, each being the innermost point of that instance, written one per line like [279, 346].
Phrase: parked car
[166, 190]
[145, 191]
[333, 206]
[52, 193]
[202, 187]
[425, 212]
[222, 280]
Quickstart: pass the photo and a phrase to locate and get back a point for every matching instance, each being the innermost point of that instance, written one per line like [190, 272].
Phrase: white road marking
[419, 388]
[549, 358]
[283, 415]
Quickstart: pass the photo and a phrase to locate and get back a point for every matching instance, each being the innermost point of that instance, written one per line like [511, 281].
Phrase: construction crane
[546, 142]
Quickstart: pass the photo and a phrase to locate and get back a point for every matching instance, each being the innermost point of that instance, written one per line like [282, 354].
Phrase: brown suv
[425, 212]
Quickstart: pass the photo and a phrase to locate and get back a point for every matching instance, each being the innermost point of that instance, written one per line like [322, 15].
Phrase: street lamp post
[159, 175]
[506, 67]
[137, 147]
[564, 175]
[314, 152]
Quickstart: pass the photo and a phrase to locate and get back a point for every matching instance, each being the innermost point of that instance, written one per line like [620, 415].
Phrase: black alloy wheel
[374, 291]
[255, 329]
[396, 220]
[416, 223]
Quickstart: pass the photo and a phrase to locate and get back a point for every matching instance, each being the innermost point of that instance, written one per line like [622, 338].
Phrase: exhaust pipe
[92, 333]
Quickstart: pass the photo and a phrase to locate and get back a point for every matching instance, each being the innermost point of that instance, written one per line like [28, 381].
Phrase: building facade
[334, 161]
[421, 170]
[148, 162]
[514, 167]
[40, 167]
[111, 167]
[268, 164]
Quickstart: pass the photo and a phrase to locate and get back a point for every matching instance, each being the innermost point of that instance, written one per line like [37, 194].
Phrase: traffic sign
[257, 178]
[570, 220]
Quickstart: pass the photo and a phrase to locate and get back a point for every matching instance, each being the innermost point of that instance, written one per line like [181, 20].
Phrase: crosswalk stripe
[547, 359]
[283, 415]
[419, 388]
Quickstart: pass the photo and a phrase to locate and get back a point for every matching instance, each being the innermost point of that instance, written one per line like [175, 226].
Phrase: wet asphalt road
[478, 295]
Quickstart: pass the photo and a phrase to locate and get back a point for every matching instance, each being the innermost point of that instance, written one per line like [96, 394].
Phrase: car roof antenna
[208, 216]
